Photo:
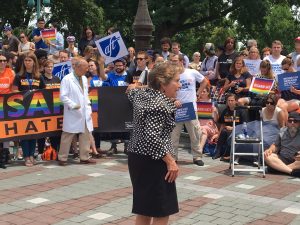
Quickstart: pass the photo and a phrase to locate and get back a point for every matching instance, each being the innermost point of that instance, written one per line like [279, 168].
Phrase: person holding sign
[276, 58]
[290, 99]
[152, 168]
[29, 79]
[208, 125]
[37, 36]
[253, 61]
[188, 94]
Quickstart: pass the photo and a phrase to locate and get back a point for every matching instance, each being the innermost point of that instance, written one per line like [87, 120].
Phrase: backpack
[49, 154]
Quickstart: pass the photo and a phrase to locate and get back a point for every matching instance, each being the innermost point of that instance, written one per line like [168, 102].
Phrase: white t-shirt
[253, 66]
[187, 92]
[296, 60]
[276, 64]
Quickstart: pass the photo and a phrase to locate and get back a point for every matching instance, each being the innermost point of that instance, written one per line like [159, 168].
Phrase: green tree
[280, 25]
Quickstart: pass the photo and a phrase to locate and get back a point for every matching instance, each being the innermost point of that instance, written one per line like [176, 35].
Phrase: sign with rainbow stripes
[205, 110]
[48, 34]
[261, 86]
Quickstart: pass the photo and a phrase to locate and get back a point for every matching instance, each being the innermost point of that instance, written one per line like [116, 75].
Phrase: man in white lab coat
[77, 113]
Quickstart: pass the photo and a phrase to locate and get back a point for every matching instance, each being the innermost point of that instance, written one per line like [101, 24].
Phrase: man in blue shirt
[37, 37]
[118, 76]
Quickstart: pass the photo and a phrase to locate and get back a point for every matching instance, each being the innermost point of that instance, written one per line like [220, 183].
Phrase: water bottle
[245, 130]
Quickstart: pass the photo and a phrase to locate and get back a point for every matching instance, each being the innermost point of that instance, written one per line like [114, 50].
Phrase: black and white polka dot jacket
[153, 122]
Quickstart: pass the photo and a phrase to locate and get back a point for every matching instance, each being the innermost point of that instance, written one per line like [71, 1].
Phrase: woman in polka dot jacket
[152, 167]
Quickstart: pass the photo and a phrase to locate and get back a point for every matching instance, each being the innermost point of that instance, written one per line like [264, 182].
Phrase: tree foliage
[190, 22]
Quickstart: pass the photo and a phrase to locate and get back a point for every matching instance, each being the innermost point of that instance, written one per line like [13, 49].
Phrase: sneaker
[236, 161]
[255, 163]
[39, 157]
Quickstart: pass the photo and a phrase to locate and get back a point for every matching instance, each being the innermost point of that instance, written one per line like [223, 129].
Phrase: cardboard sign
[112, 47]
[60, 70]
[185, 113]
[261, 86]
[205, 110]
[286, 80]
[48, 34]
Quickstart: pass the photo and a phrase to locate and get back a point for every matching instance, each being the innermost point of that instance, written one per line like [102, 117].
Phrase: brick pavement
[101, 194]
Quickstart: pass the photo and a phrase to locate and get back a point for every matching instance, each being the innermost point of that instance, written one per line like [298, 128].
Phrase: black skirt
[152, 195]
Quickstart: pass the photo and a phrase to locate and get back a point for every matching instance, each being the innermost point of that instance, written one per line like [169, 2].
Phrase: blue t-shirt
[114, 80]
[40, 44]
[95, 81]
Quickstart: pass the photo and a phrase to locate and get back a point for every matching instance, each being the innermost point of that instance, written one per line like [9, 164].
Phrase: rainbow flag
[49, 34]
[261, 86]
[205, 110]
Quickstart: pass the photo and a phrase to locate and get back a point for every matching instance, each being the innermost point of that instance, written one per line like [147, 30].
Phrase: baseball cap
[294, 115]
[209, 48]
[71, 39]
[7, 28]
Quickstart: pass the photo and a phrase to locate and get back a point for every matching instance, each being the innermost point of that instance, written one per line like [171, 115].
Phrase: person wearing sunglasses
[25, 46]
[271, 112]
[290, 99]
[284, 154]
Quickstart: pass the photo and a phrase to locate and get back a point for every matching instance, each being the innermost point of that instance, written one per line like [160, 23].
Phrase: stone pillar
[142, 27]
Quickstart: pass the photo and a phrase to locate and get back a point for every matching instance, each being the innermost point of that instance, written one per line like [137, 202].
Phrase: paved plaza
[102, 194]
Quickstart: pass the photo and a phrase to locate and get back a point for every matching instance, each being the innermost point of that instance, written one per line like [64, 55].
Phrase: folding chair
[246, 141]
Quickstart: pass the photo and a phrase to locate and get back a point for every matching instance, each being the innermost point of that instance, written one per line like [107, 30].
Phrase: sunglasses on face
[3, 60]
[22, 36]
[270, 103]
[293, 121]
[140, 58]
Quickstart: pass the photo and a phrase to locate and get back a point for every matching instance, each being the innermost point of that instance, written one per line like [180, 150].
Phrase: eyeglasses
[293, 121]
[3, 60]
[140, 58]
[270, 103]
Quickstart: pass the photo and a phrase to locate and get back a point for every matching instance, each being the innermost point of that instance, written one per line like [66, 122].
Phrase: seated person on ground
[284, 154]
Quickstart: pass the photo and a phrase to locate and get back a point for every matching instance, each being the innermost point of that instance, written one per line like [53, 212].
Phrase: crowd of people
[223, 77]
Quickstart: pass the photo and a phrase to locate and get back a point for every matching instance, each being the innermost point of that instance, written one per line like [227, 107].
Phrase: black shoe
[199, 162]
[295, 173]
[2, 166]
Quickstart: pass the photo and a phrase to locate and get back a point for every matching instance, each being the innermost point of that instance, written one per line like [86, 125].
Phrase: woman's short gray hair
[162, 74]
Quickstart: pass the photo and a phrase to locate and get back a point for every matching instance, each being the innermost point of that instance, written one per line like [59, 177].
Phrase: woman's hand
[172, 167]
[240, 89]
[177, 104]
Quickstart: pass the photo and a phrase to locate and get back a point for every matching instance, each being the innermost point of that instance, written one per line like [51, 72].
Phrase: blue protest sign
[286, 80]
[112, 47]
[185, 113]
[62, 69]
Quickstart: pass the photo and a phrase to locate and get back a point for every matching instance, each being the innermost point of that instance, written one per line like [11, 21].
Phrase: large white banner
[112, 47]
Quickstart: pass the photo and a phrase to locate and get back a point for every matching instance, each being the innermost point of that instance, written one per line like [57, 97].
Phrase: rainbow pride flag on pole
[205, 110]
[261, 86]
[49, 34]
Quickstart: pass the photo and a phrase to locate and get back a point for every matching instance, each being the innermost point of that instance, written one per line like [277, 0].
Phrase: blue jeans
[28, 147]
